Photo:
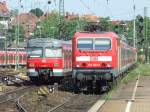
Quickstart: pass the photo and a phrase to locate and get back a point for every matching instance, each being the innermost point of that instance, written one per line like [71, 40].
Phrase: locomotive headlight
[108, 65]
[77, 65]
[31, 65]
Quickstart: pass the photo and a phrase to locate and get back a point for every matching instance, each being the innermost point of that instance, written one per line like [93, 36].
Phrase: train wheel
[90, 85]
[35, 80]
[76, 87]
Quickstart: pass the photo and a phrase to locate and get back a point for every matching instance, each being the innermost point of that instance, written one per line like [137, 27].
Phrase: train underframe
[44, 75]
[93, 80]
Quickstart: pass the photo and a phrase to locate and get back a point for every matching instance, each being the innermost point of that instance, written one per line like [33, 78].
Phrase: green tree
[73, 25]
[37, 12]
[50, 26]
[105, 24]
[129, 32]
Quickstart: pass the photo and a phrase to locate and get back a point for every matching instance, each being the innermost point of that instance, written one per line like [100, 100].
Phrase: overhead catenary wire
[109, 9]
[55, 4]
[87, 7]
[106, 7]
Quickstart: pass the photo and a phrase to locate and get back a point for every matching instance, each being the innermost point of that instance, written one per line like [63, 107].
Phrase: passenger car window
[34, 52]
[53, 52]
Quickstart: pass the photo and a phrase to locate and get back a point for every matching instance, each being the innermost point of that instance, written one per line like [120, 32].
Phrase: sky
[115, 9]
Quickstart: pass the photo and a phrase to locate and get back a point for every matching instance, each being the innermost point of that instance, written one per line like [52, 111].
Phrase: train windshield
[102, 44]
[53, 52]
[85, 44]
[34, 52]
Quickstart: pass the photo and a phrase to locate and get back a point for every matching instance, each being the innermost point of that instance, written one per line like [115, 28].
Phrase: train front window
[85, 44]
[34, 52]
[102, 44]
[53, 52]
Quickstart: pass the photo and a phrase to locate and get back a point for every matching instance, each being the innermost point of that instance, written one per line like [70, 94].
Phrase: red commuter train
[48, 59]
[99, 58]
[11, 57]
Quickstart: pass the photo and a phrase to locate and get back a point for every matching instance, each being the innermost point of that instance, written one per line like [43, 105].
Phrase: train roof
[46, 42]
[105, 34]
[96, 34]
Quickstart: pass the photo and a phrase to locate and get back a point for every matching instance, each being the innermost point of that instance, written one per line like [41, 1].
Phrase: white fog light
[77, 65]
[108, 65]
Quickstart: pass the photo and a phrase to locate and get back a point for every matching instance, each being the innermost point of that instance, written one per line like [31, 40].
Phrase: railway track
[9, 76]
[8, 107]
[9, 97]
[21, 108]
[78, 103]
[14, 94]
[9, 100]
[58, 101]
[74, 103]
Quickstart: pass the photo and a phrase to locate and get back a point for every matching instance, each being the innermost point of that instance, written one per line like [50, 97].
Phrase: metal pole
[16, 49]
[6, 57]
[134, 31]
[17, 39]
[61, 14]
[49, 2]
[145, 34]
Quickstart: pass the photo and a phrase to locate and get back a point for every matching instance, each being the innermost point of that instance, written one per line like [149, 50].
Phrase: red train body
[48, 59]
[100, 57]
[11, 57]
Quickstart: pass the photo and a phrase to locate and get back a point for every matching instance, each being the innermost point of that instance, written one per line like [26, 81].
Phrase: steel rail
[60, 105]
[20, 106]
[12, 95]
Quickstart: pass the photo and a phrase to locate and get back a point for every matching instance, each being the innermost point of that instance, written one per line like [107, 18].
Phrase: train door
[118, 55]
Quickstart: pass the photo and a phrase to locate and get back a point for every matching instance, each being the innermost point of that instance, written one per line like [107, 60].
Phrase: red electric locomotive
[99, 58]
[48, 59]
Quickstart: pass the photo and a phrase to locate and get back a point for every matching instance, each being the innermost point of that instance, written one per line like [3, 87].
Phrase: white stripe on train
[99, 58]
[57, 70]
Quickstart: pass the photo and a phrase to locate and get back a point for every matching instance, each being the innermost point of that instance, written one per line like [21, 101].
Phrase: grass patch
[144, 69]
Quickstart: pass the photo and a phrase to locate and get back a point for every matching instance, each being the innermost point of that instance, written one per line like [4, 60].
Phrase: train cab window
[53, 52]
[102, 44]
[34, 52]
[85, 44]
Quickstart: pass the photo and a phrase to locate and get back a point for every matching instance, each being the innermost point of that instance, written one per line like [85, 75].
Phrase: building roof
[28, 21]
[70, 16]
[3, 9]
[116, 22]
[90, 18]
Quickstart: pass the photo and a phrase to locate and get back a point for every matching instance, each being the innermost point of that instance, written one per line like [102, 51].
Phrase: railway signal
[49, 2]
[140, 30]
[141, 25]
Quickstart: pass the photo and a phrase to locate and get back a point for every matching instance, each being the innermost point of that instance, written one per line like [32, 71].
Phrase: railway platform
[131, 97]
